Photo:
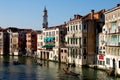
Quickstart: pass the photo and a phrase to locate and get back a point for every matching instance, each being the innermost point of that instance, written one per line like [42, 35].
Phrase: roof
[76, 17]
[95, 14]
[114, 8]
[58, 26]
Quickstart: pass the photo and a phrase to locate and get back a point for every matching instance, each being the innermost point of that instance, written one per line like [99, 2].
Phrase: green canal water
[28, 70]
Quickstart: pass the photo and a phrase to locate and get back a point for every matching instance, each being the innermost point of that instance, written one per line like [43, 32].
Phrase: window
[41, 43]
[80, 27]
[53, 33]
[113, 25]
[84, 53]
[49, 33]
[79, 40]
[84, 27]
[73, 53]
[57, 32]
[68, 40]
[51, 55]
[56, 39]
[84, 57]
[65, 51]
[76, 27]
[108, 61]
[119, 64]
[71, 28]
[101, 62]
[84, 41]
[101, 16]
[68, 28]
[119, 51]
[103, 29]
[71, 41]
[76, 41]
[61, 50]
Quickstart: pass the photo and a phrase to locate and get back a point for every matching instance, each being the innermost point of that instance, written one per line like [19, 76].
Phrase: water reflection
[28, 70]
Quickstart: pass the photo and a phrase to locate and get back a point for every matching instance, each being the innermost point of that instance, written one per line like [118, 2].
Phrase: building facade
[4, 42]
[39, 43]
[13, 41]
[101, 51]
[81, 37]
[53, 40]
[74, 40]
[22, 42]
[112, 51]
[92, 25]
[31, 42]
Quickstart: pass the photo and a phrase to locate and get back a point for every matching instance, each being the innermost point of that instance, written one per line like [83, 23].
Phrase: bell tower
[45, 16]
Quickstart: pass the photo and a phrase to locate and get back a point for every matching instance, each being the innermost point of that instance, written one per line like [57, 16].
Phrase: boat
[38, 63]
[70, 72]
[111, 72]
[16, 63]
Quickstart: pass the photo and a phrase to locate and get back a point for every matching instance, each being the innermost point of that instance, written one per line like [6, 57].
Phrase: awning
[47, 39]
[48, 46]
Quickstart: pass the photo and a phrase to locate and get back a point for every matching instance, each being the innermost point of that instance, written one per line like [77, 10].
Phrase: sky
[28, 13]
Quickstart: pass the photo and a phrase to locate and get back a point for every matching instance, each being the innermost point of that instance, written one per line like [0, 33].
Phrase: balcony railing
[113, 44]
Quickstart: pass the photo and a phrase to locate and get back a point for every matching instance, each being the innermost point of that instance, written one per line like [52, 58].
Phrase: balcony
[113, 44]
[115, 30]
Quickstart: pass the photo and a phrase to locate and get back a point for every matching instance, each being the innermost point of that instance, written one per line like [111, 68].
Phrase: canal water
[28, 70]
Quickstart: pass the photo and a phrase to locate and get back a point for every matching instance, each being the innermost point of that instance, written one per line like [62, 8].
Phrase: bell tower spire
[45, 16]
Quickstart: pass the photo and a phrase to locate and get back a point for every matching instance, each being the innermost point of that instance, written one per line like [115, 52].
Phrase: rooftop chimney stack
[118, 5]
[92, 14]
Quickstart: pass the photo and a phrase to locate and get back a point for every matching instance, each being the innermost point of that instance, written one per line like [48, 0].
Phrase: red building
[31, 42]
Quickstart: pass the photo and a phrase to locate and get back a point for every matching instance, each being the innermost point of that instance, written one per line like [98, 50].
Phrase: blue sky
[28, 13]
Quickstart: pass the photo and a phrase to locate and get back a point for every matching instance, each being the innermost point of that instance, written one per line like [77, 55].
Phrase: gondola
[70, 72]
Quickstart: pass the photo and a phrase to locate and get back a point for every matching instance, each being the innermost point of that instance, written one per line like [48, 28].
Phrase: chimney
[75, 16]
[118, 5]
[92, 14]
[64, 22]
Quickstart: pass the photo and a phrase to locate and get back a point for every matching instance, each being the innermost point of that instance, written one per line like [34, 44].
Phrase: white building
[39, 43]
[53, 40]
[74, 41]
[112, 50]
[101, 51]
